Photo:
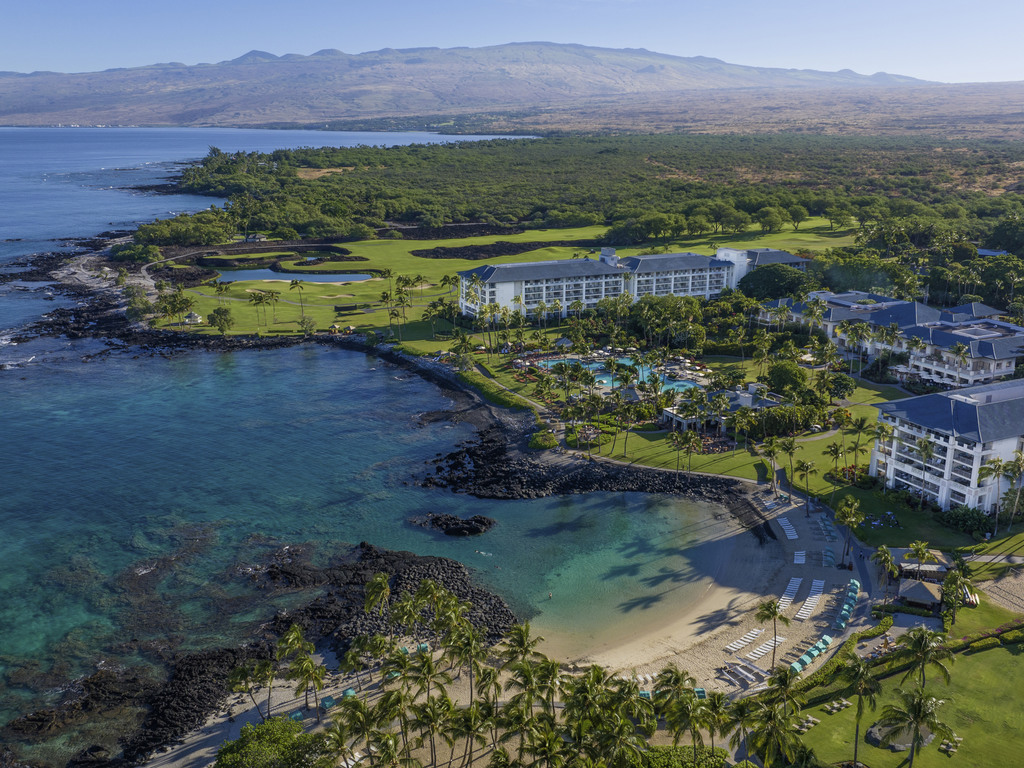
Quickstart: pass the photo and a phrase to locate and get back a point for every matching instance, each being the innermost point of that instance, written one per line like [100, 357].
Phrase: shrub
[492, 392]
[829, 669]
[543, 440]
[682, 757]
[1012, 637]
[961, 518]
[983, 645]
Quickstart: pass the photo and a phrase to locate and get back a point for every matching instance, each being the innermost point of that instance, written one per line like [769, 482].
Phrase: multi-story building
[928, 335]
[527, 285]
[965, 428]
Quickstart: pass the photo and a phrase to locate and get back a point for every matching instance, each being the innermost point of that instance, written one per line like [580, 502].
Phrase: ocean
[136, 488]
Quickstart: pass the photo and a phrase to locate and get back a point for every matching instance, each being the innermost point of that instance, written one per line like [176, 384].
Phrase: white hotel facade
[591, 280]
[966, 428]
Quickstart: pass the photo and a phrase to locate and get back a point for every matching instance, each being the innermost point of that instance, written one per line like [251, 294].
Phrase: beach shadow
[621, 571]
[637, 547]
[578, 523]
[667, 576]
[641, 602]
[728, 615]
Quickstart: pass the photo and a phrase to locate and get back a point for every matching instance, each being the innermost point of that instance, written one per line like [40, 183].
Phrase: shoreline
[493, 464]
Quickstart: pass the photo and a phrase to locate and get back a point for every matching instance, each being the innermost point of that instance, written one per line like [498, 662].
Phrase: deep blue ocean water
[133, 486]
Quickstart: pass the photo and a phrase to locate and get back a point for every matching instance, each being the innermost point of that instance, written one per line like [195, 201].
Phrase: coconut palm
[953, 588]
[773, 734]
[994, 467]
[789, 446]
[925, 648]
[425, 675]
[686, 714]
[470, 724]
[782, 688]
[297, 285]
[337, 740]
[959, 353]
[865, 686]
[883, 558]
[308, 675]
[1014, 472]
[919, 551]
[671, 683]
[242, 679]
[850, 515]
[834, 451]
[431, 718]
[913, 714]
[805, 470]
[925, 450]
[770, 450]
[520, 645]
[716, 715]
[741, 718]
[769, 611]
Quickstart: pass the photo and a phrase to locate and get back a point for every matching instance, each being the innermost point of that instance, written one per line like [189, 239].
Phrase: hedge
[983, 645]
[682, 757]
[1013, 637]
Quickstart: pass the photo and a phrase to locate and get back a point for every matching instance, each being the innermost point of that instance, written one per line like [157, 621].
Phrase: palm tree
[925, 649]
[913, 714]
[835, 451]
[520, 645]
[241, 680]
[995, 467]
[919, 551]
[789, 446]
[297, 285]
[716, 715]
[263, 674]
[805, 470]
[377, 594]
[686, 714]
[849, 514]
[925, 450]
[770, 450]
[431, 718]
[741, 718]
[953, 588]
[865, 686]
[959, 353]
[773, 733]
[1014, 471]
[782, 688]
[470, 724]
[670, 684]
[336, 740]
[308, 674]
[769, 611]
[883, 558]
[424, 674]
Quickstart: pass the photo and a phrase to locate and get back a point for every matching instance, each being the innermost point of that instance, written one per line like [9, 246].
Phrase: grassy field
[980, 707]
[320, 299]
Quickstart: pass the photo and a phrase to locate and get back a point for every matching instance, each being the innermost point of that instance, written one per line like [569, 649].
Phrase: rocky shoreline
[494, 464]
[197, 685]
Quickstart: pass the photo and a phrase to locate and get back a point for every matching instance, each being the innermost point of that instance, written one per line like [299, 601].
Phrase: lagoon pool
[235, 275]
[604, 378]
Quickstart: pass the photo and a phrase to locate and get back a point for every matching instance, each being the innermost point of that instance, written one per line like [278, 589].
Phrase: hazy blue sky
[931, 39]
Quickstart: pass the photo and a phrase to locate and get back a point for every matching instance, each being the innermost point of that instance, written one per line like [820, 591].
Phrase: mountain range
[260, 88]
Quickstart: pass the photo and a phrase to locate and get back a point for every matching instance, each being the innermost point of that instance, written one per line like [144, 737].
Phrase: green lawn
[396, 255]
[980, 707]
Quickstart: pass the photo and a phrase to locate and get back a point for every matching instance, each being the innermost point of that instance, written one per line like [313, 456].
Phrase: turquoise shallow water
[134, 487]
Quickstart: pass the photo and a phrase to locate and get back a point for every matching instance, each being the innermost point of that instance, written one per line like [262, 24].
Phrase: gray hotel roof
[563, 268]
[981, 414]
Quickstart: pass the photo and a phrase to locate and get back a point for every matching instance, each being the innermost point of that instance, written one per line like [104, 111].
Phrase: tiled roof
[669, 262]
[981, 414]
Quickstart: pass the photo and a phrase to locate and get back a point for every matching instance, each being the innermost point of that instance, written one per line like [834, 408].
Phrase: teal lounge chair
[327, 702]
[348, 693]
[297, 715]
[796, 666]
[701, 693]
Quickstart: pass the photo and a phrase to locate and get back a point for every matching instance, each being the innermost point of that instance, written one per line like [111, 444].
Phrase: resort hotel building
[931, 337]
[526, 285]
[965, 428]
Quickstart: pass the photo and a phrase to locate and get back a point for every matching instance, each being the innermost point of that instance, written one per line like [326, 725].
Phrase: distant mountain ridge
[261, 88]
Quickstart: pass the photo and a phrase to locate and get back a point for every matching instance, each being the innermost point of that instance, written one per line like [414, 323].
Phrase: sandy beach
[695, 639]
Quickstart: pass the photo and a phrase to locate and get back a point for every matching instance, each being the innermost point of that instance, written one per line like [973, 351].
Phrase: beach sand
[695, 637]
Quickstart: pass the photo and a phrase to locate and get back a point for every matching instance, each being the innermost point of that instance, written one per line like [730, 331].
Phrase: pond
[234, 275]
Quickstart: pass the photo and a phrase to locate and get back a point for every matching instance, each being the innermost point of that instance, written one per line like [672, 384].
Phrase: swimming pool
[604, 378]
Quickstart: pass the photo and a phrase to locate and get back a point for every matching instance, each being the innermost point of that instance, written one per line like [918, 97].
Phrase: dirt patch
[494, 250]
[316, 173]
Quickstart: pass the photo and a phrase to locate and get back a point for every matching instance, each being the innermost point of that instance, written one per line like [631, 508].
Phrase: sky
[936, 40]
